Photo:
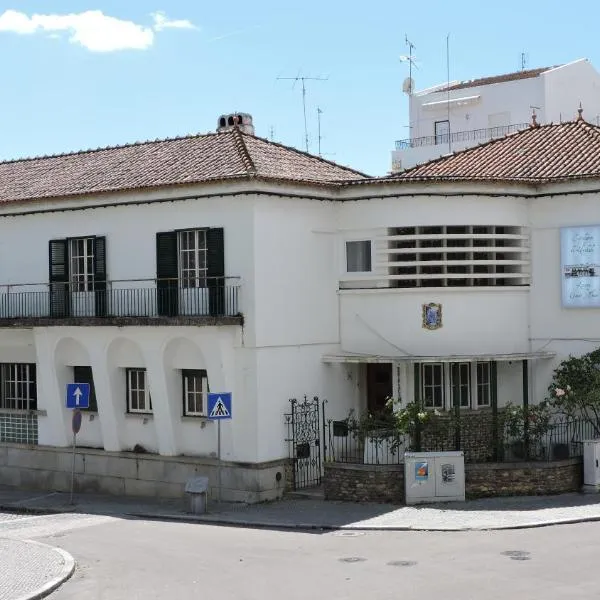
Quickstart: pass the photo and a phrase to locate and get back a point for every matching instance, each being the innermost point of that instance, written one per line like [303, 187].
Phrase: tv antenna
[409, 84]
[524, 61]
[320, 137]
[303, 80]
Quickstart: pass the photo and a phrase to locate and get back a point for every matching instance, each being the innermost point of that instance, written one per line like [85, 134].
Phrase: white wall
[475, 321]
[295, 272]
[569, 86]
[514, 97]
[293, 372]
[554, 328]
[556, 93]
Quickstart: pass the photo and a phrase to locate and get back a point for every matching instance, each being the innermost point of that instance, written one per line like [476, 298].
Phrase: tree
[575, 388]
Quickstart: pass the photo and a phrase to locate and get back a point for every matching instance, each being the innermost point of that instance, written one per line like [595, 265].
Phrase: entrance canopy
[453, 358]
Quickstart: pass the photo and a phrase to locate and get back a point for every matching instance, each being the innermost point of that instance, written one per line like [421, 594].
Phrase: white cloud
[162, 22]
[91, 29]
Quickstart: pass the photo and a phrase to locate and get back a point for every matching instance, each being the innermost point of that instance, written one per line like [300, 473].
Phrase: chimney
[242, 120]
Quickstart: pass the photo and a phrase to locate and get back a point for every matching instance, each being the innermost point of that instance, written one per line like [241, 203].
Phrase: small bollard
[197, 488]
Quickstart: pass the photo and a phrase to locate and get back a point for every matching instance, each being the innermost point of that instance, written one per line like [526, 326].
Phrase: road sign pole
[219, 459]
[73, 468]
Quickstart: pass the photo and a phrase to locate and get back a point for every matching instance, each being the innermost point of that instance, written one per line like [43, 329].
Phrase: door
[442, 131]
[379, 386]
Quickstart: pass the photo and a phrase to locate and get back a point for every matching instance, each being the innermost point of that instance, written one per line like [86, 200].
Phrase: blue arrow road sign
[78, 395]
[219, 406]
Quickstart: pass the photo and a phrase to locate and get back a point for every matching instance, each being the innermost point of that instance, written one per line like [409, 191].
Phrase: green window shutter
[100, 275]
[167, 273]
[59, 278]
[215, 252]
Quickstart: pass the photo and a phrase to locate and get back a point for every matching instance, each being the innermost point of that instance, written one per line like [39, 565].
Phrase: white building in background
[156, 271]
[448, 118]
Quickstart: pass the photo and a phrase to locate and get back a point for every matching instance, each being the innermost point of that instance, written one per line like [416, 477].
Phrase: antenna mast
[411, 47]
[319, 113]
[448, 90]
[304, 80]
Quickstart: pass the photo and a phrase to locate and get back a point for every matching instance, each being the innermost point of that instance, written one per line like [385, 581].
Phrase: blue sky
[73, 83]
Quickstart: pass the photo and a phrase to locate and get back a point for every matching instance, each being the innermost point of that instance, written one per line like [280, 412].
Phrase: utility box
[591, 465]
[434, 477]
[196, 489]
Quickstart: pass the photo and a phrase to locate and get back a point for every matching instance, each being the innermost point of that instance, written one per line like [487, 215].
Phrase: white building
[158, 270]
[450, 117]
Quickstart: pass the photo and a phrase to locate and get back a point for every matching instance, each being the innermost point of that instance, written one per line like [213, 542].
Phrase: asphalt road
[135, 559]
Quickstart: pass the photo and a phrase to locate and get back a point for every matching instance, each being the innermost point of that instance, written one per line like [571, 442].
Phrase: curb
[66, 572]
[325, 527]
[25, 510]
[233, 522]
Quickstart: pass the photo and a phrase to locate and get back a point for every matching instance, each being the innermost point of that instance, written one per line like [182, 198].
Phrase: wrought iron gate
[306, 440]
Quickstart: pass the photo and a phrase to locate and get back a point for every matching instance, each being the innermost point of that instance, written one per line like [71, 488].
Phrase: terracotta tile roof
[525, 74]
[535, 155]
[194, 159]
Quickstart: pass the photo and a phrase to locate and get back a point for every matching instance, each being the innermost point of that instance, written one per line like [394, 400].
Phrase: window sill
[11, 411]
[137, 416]
[195, 419]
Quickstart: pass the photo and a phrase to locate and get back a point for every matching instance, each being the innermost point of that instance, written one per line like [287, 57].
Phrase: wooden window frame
[187, 376]
[486, 386]
[195, 276]
[147, 398]
[442, 386]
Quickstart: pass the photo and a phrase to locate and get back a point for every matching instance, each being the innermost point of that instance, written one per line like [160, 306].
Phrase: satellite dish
[408, 85]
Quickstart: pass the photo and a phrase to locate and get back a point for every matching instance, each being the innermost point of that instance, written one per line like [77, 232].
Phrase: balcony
[474, 135]
[122, 302]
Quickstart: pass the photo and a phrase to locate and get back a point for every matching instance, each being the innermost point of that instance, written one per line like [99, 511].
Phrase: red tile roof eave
[472, 179]
[116, 190]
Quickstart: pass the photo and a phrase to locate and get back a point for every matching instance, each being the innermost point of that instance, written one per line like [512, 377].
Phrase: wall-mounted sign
[580, 266]
[432, 315]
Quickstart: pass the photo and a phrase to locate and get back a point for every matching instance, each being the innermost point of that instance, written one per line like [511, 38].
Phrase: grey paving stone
[26, 568]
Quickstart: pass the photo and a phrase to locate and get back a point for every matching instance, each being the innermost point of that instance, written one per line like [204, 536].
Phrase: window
[193, 262]
[138, 394]
[358, 256]
[85, 375]
[484, 384]
[442, 131]
[19, 389]
[433, 385]
[81, 256]
[195, 388]
[460, 378]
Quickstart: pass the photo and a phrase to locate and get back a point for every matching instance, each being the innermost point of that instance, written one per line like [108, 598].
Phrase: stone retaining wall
[131, 474]
[523, 479]
[385, 483]
[364, 483]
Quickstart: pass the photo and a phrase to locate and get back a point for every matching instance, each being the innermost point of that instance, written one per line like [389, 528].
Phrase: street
[120, 559]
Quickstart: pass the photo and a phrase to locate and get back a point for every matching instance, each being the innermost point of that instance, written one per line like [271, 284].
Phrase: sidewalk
[31, 570]
[493, 513]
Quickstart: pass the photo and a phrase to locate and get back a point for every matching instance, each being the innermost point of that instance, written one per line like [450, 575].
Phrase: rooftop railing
[472, 135]
[192, 297]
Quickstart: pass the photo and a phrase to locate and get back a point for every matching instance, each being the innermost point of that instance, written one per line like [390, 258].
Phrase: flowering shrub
[538, 419]
[575, 388]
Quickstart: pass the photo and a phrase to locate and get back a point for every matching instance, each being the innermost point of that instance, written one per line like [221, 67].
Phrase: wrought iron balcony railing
[461, 136]
[213, 296]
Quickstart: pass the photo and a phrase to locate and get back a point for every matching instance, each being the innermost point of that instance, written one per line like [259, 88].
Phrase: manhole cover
[352, 559]
[402, 563]
[349, 533]
[517, 554]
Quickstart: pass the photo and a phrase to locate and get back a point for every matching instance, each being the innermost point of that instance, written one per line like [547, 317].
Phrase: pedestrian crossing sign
[219, 406]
